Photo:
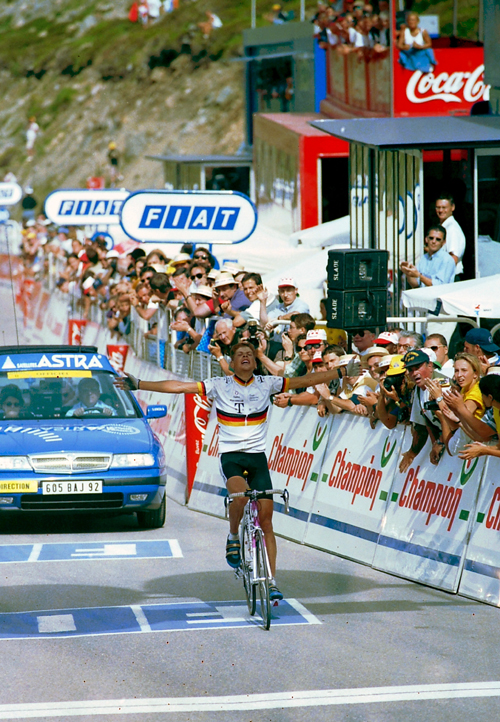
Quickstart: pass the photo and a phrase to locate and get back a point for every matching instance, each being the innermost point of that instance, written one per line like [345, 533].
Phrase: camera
[252, 333]
[214, 342]
[395, 382]
[431, 405]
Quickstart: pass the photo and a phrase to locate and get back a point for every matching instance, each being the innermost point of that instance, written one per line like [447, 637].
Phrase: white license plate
[71, 487]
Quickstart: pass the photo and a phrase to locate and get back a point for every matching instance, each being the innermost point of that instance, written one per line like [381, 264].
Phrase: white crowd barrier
[437, 525]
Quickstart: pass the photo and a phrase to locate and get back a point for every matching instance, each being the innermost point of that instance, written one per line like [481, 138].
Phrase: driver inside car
[89, 401]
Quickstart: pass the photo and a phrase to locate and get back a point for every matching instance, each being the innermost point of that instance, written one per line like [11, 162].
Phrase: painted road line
[137, 619]
[122, 549]
[141, 618]
[244, 703]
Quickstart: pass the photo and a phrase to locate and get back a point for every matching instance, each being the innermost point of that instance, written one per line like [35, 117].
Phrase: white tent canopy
[479, 297]
[326, 234]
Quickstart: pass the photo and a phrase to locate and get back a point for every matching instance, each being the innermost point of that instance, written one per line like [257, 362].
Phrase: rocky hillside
[90, 76]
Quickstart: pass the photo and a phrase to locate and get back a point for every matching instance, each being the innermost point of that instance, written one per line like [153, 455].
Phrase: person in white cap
[289, 302]
[388, 340]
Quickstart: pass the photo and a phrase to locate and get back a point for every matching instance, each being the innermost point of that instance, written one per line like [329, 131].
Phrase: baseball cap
[397, 366]
[287, 281]
[415, 357]
[317, 358]
[386, 337]
[482, 338]
[432, 355]
[63, 229]
[203, 291]
[317, 335]
[224, 279]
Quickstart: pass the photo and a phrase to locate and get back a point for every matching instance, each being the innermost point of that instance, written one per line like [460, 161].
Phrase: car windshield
[36, 394]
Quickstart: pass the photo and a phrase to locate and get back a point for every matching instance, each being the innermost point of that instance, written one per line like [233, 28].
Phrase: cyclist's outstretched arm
[131, 383]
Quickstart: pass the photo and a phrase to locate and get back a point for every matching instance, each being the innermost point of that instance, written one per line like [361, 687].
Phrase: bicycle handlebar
[253, 494]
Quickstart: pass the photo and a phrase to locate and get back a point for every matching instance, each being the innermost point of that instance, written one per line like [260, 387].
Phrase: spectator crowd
[402, 379]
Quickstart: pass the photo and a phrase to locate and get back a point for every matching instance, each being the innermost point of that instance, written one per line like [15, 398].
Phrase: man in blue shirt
[434, 268]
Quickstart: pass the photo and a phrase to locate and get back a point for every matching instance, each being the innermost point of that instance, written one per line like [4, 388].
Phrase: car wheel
[153, 519]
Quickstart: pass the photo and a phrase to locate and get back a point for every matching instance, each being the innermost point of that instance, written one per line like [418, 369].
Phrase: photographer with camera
[394, 401]
[423, 417]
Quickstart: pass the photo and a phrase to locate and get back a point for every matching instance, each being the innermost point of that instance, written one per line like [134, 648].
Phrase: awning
[478, 131]
[476, 298]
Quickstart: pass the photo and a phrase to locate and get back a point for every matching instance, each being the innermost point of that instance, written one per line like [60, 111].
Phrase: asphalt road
[93, 627]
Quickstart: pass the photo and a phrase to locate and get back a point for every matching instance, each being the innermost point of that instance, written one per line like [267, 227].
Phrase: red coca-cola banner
[197, 410]
[117, 354]
[455, 84]
[75, 331]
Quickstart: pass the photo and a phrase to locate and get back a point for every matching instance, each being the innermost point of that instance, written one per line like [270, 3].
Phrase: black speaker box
[356, 309]
[352, 268]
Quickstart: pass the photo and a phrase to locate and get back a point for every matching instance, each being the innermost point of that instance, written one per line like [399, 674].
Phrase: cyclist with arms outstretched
[242, 403]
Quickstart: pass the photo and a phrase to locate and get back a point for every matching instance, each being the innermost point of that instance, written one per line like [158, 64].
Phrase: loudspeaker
[352, 268]
[356, 309]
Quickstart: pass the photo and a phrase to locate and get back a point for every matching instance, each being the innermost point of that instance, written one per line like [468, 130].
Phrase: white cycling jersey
[242, 408]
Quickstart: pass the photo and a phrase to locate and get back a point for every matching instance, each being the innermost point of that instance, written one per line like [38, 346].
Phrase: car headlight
[122, 461]
[15, 463]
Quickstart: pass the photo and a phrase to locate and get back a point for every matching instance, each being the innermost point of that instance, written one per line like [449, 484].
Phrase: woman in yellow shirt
[467, 374]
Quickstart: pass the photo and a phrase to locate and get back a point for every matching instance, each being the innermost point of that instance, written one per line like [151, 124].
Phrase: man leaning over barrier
[242, 403]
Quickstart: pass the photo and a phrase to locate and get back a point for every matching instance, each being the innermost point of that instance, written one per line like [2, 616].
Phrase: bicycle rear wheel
[246, 568]
[264, 574]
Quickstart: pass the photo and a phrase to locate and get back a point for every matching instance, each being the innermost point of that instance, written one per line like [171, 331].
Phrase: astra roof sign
[80, 207]
[10, 193]
[223, 217]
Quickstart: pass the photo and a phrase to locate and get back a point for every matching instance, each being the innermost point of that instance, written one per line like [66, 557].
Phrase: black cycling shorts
[235, 463]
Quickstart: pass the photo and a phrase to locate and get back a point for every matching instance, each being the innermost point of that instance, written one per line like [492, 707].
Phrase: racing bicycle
[255, 568]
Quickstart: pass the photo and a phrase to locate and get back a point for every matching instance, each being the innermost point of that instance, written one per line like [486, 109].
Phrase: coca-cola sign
[197, 410]
[453, 86]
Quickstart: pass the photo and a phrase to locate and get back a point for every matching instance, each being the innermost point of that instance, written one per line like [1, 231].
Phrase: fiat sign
[10, 194]
[188, 216]
[80, 207]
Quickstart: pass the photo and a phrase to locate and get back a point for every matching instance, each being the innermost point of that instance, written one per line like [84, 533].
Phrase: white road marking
[35, 553]
[54, 623]
[200, 614]
[141, 618]
[108, 550]
[175, 548]
[311, 618]
[276, 700]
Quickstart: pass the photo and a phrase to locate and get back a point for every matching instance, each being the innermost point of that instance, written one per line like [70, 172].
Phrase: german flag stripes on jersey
[242, 408]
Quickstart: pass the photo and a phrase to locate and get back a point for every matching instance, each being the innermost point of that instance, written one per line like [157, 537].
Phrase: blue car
[71, 441]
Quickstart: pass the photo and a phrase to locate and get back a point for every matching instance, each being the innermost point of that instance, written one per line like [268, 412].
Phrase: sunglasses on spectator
[197, 275]
[313, 345]
[435, 348]
[201, 257]
[302, 348]
[11, 403]
[405, 345]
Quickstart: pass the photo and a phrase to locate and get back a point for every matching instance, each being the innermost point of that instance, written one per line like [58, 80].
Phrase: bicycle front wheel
[264, 574]
[246, 569]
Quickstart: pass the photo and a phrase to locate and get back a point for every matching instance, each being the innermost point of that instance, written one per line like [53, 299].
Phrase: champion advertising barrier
[208, 492]
[437, 525]
[296, 444]
[354, 486]
[425, 529]
[481, 575]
